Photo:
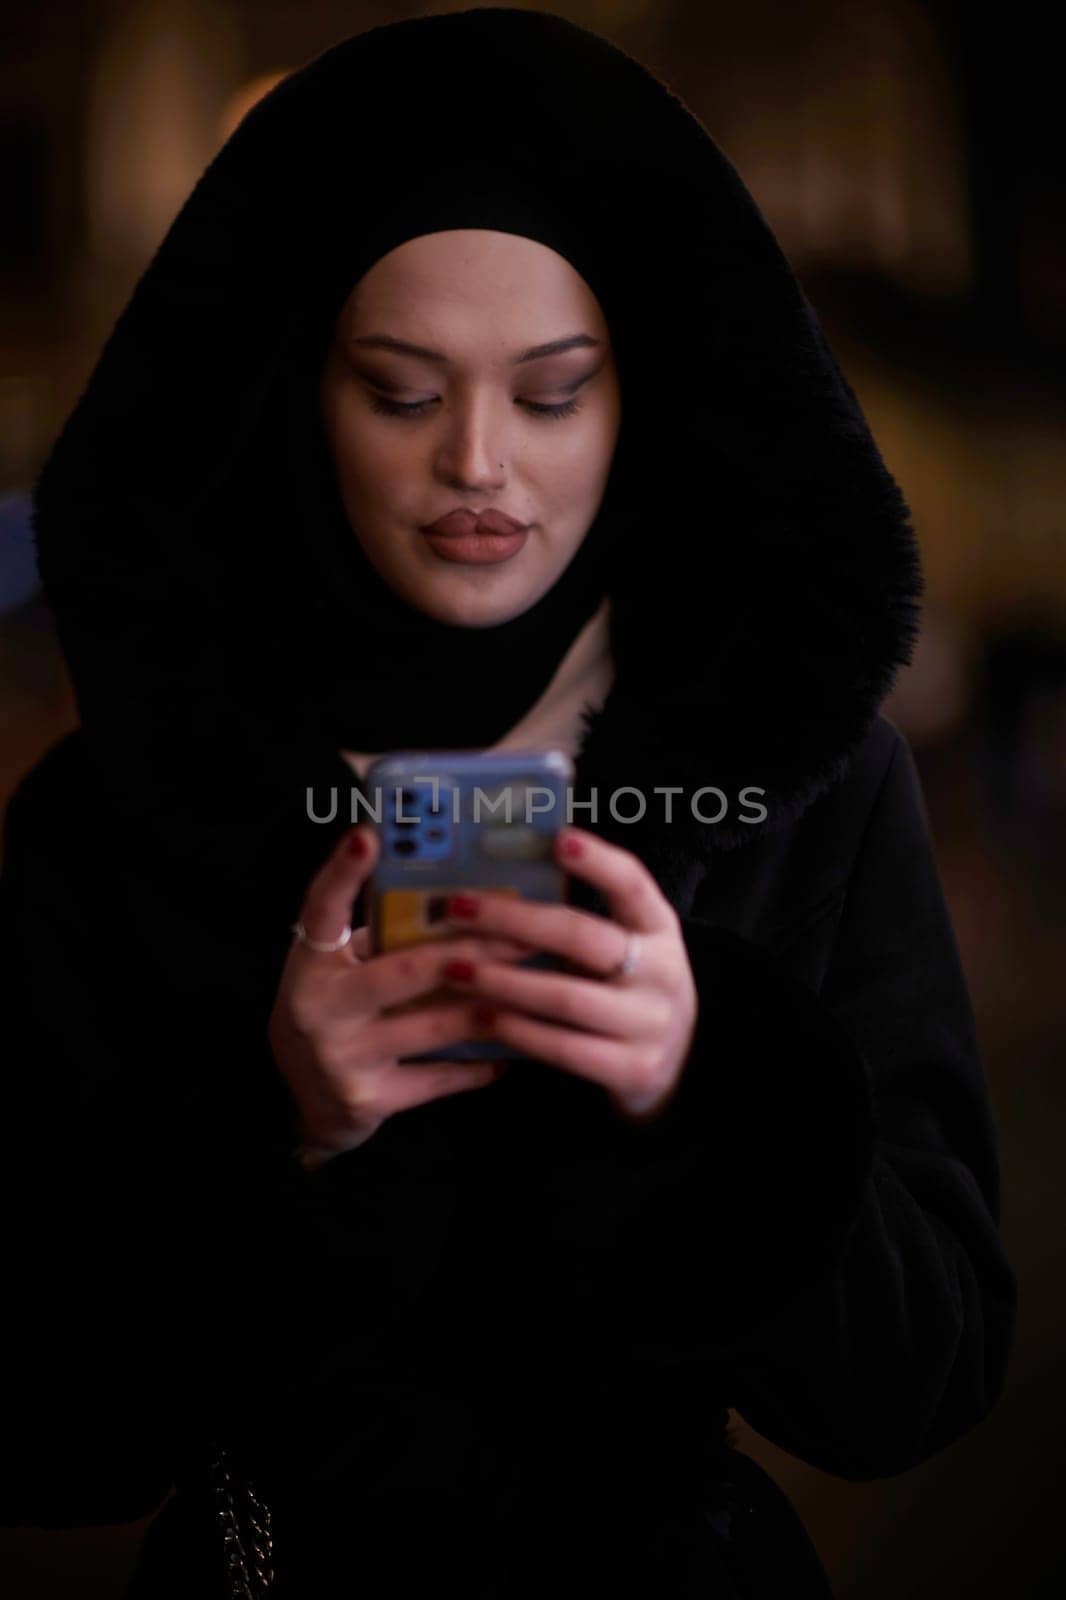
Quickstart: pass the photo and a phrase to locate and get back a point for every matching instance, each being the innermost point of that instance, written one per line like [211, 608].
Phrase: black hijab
[222, 634]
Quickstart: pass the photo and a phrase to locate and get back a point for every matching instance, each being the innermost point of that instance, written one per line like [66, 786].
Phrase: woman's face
[437, 396]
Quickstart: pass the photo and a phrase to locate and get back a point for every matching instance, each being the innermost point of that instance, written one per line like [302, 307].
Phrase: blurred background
[909, 155]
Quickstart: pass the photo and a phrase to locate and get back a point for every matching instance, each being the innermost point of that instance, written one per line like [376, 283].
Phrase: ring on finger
[322, 946]
[630, 960]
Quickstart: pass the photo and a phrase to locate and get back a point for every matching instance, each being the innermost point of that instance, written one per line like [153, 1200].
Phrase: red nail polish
[572, 847]
[356, 845]
[484, 1016]
[463, 971]
[462, 905]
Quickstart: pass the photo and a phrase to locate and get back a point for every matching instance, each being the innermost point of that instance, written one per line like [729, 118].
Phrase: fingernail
[484, 1016]
[356, 845]
[572, 847]
[463, 971]
[462, 905]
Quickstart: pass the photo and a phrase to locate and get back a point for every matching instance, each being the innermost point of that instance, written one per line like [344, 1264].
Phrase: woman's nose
[474, 451]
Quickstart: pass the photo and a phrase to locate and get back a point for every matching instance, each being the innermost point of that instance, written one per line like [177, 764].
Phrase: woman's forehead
[468, 275]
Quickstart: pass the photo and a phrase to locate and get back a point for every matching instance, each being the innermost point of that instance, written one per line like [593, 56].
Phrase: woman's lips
[476, 538]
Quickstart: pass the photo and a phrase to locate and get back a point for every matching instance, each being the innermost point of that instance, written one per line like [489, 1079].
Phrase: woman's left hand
[630, 1033]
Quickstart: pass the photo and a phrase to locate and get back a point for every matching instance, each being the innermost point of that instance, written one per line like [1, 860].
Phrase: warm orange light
[241, 102]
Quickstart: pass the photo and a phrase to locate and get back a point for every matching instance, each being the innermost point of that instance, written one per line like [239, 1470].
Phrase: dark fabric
[513, 1301]
[743, 1539]
[496, 1345]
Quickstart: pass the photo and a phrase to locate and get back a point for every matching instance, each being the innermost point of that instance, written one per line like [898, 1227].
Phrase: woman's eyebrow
[385, 341]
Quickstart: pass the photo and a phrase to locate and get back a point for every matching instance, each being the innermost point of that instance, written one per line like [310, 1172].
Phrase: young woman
[470, 403]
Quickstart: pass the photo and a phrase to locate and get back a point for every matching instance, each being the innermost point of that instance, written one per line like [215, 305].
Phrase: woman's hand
[632, 1033]
[338, 1054]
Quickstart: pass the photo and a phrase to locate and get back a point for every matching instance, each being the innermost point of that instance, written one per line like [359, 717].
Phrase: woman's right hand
[338, 1054]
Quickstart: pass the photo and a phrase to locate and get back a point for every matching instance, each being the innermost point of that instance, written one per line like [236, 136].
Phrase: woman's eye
[565, 408]
[418, 408]
[398, 408]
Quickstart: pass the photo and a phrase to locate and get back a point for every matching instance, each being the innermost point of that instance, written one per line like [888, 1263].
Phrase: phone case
[455, 821]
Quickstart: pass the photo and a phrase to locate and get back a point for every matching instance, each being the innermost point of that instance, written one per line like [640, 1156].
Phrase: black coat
[512, 1297]
[498, 1340]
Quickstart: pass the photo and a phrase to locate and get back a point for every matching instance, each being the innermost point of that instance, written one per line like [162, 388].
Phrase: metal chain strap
[249, 1554]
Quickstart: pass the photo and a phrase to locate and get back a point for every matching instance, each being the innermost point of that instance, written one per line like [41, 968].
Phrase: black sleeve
[87, 1369]
[813, 1217]
[162, 1248]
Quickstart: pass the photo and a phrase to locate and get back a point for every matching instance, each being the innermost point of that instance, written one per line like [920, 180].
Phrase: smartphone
[455, 821]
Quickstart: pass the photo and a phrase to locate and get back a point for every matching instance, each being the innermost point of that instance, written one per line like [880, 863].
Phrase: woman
[460, 1324]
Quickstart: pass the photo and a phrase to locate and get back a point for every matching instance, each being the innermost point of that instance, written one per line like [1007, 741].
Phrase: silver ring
[630, 961]
[323, 946]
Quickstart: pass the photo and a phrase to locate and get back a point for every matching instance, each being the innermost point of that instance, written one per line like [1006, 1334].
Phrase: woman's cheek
[377, 459]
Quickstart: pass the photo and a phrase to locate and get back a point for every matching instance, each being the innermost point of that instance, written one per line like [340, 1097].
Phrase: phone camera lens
[404, 847]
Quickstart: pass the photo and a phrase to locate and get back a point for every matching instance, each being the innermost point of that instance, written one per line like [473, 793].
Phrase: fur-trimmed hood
[768, 582]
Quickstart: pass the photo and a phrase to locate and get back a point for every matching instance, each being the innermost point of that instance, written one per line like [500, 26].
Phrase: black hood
[765, 581]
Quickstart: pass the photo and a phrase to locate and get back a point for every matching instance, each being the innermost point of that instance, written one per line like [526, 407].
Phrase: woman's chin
[474, 610]
[477, 597]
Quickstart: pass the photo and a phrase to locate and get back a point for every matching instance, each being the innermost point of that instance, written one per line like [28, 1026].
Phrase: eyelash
[418, 408]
